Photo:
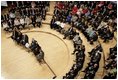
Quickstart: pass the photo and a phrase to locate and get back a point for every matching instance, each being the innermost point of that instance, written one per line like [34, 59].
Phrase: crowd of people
[111, 64]
[93, 65]
[79, 50]
[86, 16]
[24, 14]
[105, 33]
[92, 18]
[23, 40]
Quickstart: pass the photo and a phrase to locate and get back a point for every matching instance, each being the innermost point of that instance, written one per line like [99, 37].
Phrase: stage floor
[18, 63]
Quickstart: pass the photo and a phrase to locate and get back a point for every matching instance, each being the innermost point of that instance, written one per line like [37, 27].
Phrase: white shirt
[62, 25]
[27, 45]
[27, 21]
[22, 21]
[5, 26]
[57, 22]
[78, 12]
[102, 24]
[11, 15]
[16, 22]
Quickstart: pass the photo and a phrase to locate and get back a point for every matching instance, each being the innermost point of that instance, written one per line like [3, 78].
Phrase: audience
[39, 21]
[22, 11]
[111, 64]
[80, 56]
[87, 16]
[22, 22]
[93, 65]
[5, 26]
[24, 41]
[92, 18]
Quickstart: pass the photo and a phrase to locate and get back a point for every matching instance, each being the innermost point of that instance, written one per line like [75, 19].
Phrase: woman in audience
[39, 21]
[5, 26]
[27, 21]
[22, 22]
[17, 23]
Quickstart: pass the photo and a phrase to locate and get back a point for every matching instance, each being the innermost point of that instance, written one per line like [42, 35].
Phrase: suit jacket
[25, 38]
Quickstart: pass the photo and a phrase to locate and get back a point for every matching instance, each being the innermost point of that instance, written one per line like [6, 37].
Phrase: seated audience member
[11, 25]
[68, 32]
[12, 16]
[73, 34]
[57, 25]
[105, 33]
[74, 18]
[27, 21]
[77, 40]
[33, 5]
[68, 19]
[5, 26]
[74, 9]
[33, 18]
[17, 23]
[39, 21]
[91, 35]
[44, 13]
[56, 11]
[22, 22]
[52, 23]
[61, 26]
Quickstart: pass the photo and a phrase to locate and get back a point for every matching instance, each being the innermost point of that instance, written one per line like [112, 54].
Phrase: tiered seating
[111, 64]
[80, 56]
[79, 48]
[91, 18]
[93, 65]
[86, 16]
[105, 33]
[24, 13]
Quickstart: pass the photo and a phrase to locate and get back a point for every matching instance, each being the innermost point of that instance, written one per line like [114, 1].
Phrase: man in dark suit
[34, 45]
[68, 32]
[44, 13]
[33, 18]
[15, 33]
[19, 37]
[24, 40]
